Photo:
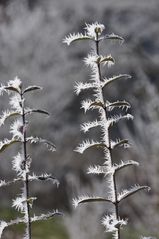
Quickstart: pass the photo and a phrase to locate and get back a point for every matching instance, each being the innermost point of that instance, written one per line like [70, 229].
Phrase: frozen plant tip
[106, 120]
[22, 161]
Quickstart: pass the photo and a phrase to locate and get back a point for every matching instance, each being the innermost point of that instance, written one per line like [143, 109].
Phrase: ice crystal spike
[112, 224]
[97, 85]
[20, 204]
[93, 29]
[16, 129]
[91, 105]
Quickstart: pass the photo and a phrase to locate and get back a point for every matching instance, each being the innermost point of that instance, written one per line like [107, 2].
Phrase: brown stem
[26, 182]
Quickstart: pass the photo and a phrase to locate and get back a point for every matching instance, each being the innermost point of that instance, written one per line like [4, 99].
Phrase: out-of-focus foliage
[31, 34]
[53, 228]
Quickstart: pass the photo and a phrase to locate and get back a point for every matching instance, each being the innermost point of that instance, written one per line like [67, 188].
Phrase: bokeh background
[31, 34]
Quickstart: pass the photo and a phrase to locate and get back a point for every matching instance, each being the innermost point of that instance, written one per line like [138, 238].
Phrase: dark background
[31, 34]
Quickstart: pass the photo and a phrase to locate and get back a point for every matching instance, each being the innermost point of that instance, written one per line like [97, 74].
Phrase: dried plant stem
[26, 182]
[109, 153]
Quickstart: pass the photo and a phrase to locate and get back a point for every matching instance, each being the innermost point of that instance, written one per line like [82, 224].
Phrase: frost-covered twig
[22, 161]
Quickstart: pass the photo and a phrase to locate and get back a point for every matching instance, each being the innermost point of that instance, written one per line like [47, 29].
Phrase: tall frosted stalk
[106, 119]
[22, 162]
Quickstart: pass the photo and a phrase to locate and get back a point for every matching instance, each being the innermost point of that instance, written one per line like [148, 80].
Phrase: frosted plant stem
[114, 191]
[116, 203]
[26, 182]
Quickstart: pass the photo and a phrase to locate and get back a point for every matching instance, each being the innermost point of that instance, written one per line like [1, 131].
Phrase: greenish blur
[50, 229]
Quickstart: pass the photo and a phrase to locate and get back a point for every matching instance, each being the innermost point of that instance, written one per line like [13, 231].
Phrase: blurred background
[31, 34]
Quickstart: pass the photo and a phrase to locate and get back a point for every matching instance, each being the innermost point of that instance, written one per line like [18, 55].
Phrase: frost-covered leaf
[35, 218]
[109, 60]
[47, 216]
[125, 164]
[96, 104]
[32, 88]
[112, 224]
[49, 144]
[123, 142]
[126, 193]
[30, 111]
[79, 86]
[7, 114]
[114, 78]
[119, 104]
[11, 88]
[89, 144]
[113, 37]
[16, 102]
[116, 118]
[44, 177]
[98, 169]
[85, 127]
[4, 183]
[14, 85]
[85, 199]
[75, 37]
[3, 225]
[6, 143]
